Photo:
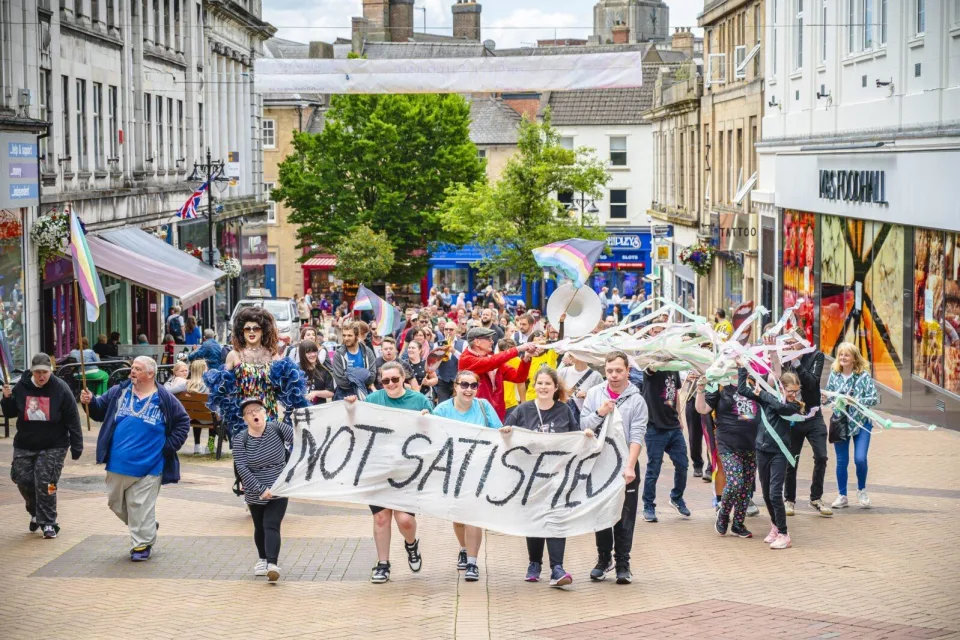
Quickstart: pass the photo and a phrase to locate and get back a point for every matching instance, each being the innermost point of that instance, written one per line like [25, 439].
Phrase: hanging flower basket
[699, 257]
[196, 252]
[230, 266]
[50, 235]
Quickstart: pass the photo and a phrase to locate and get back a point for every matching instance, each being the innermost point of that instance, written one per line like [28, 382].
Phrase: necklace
[143, 409]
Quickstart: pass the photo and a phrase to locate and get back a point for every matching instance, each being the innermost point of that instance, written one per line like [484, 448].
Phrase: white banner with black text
[524, 483]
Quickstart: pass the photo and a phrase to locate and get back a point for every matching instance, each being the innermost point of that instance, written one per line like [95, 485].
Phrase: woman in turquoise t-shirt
[466, 407]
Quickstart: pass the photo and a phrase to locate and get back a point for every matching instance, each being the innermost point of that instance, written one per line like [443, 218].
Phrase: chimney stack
[466, 20]
[682, 41]
[320, 50]
[621, 33]
[377, 13]
[401, 20]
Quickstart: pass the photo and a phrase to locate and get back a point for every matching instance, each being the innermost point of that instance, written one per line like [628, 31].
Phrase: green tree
[384, 161]
[364, 256]
[521, 212]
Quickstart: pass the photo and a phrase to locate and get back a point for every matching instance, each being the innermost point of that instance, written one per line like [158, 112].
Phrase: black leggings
[772, 468]
[266, 528]
[197, 431]
[555, 549]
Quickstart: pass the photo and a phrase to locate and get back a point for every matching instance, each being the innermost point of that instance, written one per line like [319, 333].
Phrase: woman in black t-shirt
[547, 413]
[736, 421]
[320, 386]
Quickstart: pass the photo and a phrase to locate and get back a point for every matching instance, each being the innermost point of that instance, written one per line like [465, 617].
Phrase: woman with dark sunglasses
[548, 412]
[466, 407]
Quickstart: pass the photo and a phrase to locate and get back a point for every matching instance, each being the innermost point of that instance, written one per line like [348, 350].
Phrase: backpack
[174, 327]
[237, 488]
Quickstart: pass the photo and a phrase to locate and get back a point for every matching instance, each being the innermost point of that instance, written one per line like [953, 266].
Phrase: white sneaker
[260, 569]
[821, 507]
[863, 498]
[841, 503]
[782, 541]
[197, 450]
[788, 507]
[273, 572]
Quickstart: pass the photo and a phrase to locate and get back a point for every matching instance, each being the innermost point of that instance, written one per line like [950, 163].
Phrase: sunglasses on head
[469, 385]
[392, 380]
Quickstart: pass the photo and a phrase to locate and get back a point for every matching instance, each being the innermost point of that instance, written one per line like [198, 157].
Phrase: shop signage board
[232, 168]
[662, 252]
[18, 166]
[661, 230]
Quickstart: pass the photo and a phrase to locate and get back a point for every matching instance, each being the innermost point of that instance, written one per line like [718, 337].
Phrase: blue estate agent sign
[18, 170]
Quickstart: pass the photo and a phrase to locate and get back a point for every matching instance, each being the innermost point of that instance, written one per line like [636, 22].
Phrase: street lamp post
[582, 203]
[210, 170]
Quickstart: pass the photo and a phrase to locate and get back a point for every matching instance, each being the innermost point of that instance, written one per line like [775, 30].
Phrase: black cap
[249, 401]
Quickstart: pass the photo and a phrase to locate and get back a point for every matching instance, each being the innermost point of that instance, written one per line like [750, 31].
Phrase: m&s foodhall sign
[851, 185]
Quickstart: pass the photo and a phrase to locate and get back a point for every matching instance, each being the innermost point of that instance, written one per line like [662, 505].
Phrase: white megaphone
[582, 306]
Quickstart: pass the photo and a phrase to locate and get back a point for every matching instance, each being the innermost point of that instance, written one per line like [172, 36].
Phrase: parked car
[284, 310]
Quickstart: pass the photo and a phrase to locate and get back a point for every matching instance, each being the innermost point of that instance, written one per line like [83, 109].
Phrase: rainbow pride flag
[573, 258]
[85, 271]
[387, 317]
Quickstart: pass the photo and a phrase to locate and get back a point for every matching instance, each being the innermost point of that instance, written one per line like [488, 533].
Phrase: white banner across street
[451, 75]
[524, 483]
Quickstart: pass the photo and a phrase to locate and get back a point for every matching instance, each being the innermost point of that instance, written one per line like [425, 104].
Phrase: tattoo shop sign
[524, 483]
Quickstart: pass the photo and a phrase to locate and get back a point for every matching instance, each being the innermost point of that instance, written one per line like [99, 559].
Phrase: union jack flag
[189, 209]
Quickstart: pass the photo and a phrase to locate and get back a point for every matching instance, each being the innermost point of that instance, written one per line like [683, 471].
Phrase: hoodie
[51, 421]
[773, 409]
[633, 412]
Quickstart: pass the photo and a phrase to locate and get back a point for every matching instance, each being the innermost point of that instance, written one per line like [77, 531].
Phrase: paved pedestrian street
[892, 571]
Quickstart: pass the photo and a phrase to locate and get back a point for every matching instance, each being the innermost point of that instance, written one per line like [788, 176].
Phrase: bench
[202, 417]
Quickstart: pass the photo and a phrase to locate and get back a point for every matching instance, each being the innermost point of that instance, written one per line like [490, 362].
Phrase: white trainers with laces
[841, 503]
[260, 569]
[273, 572]
[863, 498]
[782, 541]
[822, 508]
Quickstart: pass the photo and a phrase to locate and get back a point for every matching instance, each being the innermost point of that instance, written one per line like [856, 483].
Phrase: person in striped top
[260, 452]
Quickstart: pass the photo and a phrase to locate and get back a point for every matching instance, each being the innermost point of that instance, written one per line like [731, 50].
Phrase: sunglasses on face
[393, 380]
[252, 329]
[469, 385]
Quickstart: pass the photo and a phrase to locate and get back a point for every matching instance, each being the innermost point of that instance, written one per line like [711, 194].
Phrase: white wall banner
[451, 75]
[525, 483]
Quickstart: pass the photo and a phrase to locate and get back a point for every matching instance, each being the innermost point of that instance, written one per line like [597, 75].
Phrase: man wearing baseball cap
[492, 369]
[47, 424]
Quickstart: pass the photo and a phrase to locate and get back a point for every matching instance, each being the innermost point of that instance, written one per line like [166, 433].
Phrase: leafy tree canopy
[384, 161]
[520, 212]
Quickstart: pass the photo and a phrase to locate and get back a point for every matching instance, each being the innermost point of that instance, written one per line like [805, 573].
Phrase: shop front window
[799, 248]
[12, 304]
[861, 299]
[508, 282]
[951, 318]
[456, 279]
[629, 283]
[732, 285]
[928, 289]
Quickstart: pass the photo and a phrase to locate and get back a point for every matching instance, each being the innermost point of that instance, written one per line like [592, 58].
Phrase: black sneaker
[49, 531]
[740, 532]
[623, 574]
[603, 567]
[722, 523]
[697, 473]
[380, 573]
[472, 573]
[680, 506]
[462, 560]
[413, 555]
[34, 525]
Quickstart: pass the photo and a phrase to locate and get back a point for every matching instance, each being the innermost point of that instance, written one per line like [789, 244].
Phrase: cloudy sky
[511, 23]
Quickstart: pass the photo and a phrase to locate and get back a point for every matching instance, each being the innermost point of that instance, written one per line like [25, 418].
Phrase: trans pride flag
[85, 271]
[387, 317]
[574, 258]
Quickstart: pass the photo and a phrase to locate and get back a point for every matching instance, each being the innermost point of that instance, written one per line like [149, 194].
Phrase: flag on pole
[85, 271]
[189, 209]
[387, 317]
[573, 258]
[6, 356]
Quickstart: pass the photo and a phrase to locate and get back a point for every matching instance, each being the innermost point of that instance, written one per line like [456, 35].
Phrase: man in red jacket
[492, 369]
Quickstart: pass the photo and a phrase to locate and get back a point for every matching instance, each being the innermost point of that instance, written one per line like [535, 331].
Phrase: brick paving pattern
[889, 572]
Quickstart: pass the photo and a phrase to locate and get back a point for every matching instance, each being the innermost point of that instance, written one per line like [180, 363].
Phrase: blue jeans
[861, 444]
[671, 442]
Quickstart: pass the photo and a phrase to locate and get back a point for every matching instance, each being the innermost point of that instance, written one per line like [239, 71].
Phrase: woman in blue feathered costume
[254, 369]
